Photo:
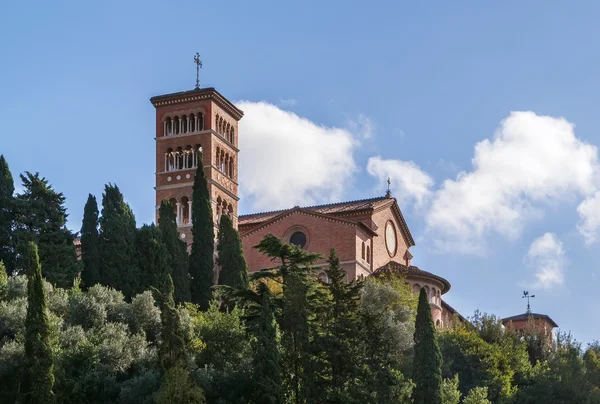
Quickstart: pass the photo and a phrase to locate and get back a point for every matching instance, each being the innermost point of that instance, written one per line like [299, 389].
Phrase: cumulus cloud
[362, 126]
[589, 215]
[531, 160]
[287, 160]
[546, 256]
[408, 181]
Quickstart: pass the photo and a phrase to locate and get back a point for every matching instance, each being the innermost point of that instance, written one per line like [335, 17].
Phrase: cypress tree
[116, 243]
[171, 350]
[267, 378]
[201, 258]
[90, 255]
[39, 377]
[427, 363]
[177, 249]
[153, 258]
[234, 270]
[41, 217]
[7, 189]
[340, 326]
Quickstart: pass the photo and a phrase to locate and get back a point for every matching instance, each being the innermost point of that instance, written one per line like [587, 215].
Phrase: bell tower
[197, 128]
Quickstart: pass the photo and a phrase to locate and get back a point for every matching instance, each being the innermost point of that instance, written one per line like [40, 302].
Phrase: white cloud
[531, 160]
[408, 181]
[546, 256]
[589, 214]
[362, 126]
[287, 160]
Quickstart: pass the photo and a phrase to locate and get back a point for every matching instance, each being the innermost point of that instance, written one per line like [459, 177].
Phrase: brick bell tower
[196, 128]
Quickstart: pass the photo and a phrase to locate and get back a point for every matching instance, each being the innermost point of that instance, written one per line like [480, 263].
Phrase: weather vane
[198, 66]
[527, 296]
[388, 193]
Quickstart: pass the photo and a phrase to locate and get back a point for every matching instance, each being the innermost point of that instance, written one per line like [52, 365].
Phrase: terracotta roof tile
[327, 209]
[392, 268]
[526, 316]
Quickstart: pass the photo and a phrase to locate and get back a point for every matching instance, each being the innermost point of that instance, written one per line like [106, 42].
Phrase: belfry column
[190, 211]
[178, 213]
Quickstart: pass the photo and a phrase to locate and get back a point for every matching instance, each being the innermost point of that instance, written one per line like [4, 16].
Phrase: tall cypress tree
[234, 270]
[7, 189]
[427, 363]
[267, 377]
[39, 377]
[171, 350]
[340, 329]
[152, 258]
[177, 249]
[90, 255]
[201, 259]
[116, 243]
[41, 217]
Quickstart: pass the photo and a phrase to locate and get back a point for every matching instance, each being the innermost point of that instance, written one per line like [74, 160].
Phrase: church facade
[371, 236]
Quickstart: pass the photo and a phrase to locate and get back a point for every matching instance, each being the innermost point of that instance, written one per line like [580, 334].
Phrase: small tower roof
[527, 316]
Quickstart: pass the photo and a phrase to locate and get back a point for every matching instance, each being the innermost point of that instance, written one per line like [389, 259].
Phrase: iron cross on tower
[527, 296]
[198, 66]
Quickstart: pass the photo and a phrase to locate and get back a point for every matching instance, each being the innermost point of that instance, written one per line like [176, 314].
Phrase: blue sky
[344, 94]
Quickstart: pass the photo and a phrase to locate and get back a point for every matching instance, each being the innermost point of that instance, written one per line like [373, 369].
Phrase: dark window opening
[299, 239]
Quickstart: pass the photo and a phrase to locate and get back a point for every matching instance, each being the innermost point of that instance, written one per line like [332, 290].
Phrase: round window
[299, 239]
[390, 238]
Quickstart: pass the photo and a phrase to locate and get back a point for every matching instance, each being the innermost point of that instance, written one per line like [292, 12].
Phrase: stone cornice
[198, 95]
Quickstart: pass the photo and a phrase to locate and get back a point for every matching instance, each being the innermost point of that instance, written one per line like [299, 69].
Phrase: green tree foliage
[267, 376]
[223, 355]
[477, 396]
[450, 392]
[171, 351]
[301, 302]
[7, 189]
[177, 249]
[201, 268]
[41, 218]
[339, 331]
[152, 257]
[477, 363]
[118, 266]
[90, 255]
[39, 377]
[234, 270]
[177, 387]
[427, 365]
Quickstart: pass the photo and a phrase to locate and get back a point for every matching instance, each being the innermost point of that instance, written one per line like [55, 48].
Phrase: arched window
[179, 159]
[176, 124]
[185, 210]
[438, 323]
[189, 157]
[169, 160]
[168, 127]
[363, 250]
[200, 125]
[219, 207]
[231, 166]
[232, 136]
[184, 124]
[230, 211]
[192, 123]
[416, 288]
[368, 255]
[198, 157]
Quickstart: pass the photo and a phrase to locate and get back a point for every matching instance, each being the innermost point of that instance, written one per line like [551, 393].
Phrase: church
[199, 128]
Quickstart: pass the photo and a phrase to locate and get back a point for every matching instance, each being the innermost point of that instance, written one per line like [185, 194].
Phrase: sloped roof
[527, 316]
[327, 209]
[396, 268]
[306, 211]
[334, 209]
